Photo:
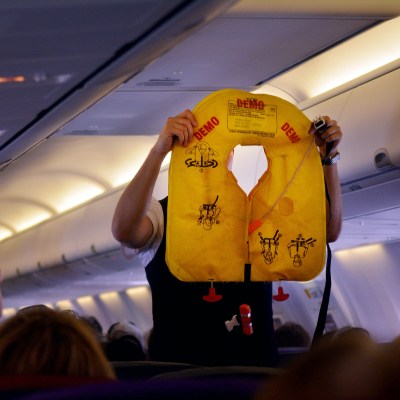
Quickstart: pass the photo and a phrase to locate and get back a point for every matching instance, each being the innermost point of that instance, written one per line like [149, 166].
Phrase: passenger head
[94, 325]
[46, 342]
[291, 334]
[341, 369]
[387, 370]
[125, 342]
[32, 308]
[125, 328]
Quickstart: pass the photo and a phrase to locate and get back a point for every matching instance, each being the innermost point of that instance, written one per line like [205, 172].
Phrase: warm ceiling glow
[79, 197]
[109, 296]
[4, 233]
[39, 217]
[126, 175]
[64, 305]
[8, 312]
[354, 253]
[137, 291]
[85, 301]
[375, 48]
[84, 194]
[273, 91]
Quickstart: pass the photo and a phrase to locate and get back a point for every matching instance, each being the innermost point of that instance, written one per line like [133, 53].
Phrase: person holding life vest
[200, 321]
[277, 231]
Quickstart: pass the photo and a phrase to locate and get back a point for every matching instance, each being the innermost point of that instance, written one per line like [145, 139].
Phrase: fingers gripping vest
[215, 231]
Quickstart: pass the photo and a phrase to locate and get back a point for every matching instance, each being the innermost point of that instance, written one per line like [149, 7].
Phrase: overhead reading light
[375, 48]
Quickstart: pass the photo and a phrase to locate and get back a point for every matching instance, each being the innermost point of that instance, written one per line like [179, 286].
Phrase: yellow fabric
[214, 228]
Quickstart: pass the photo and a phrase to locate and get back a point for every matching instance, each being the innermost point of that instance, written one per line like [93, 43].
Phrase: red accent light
[12, 79]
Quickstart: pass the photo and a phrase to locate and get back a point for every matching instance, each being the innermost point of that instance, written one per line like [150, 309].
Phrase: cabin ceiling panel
[99, 157]
[194, 68]
[44, 84]
[139, 113]
[211, 57]
[53, 49]
[290, 8]
[56, 174]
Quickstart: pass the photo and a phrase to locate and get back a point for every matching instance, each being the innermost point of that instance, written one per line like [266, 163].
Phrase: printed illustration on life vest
[203, 156]
[298, 249]
[269, 246]
[209, 215]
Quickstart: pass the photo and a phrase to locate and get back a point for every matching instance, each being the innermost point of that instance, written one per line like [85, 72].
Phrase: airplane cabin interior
[85, 88]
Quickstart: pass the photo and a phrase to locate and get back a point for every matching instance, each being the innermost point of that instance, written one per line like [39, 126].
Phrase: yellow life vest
[215, 231]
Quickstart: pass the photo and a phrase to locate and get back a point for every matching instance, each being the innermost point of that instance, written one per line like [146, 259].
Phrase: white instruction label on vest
[252, 117]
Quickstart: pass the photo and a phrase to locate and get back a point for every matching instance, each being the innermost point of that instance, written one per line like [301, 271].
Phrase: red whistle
[245, 316]
[281, 296]
[212, 297]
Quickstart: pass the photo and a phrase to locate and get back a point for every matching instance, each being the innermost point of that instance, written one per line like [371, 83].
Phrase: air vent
[355, 187]
[83, 132]
[160, 82]
[382, 160]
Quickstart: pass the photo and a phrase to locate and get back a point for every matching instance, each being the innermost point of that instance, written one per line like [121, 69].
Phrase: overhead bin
[368, 115]
[72, 236]
[65, 239]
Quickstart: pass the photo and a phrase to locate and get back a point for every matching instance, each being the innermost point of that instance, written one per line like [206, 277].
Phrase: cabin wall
[368, 279]
[132, 304]
[364, 293]
[68, 238]
[304, 304]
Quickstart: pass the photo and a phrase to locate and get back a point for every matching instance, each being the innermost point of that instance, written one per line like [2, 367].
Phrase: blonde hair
[48, 342]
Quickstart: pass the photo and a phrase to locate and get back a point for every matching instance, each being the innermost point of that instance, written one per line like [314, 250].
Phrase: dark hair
[47, 342]
[125, 348]
[291, 334]
[125, 342]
